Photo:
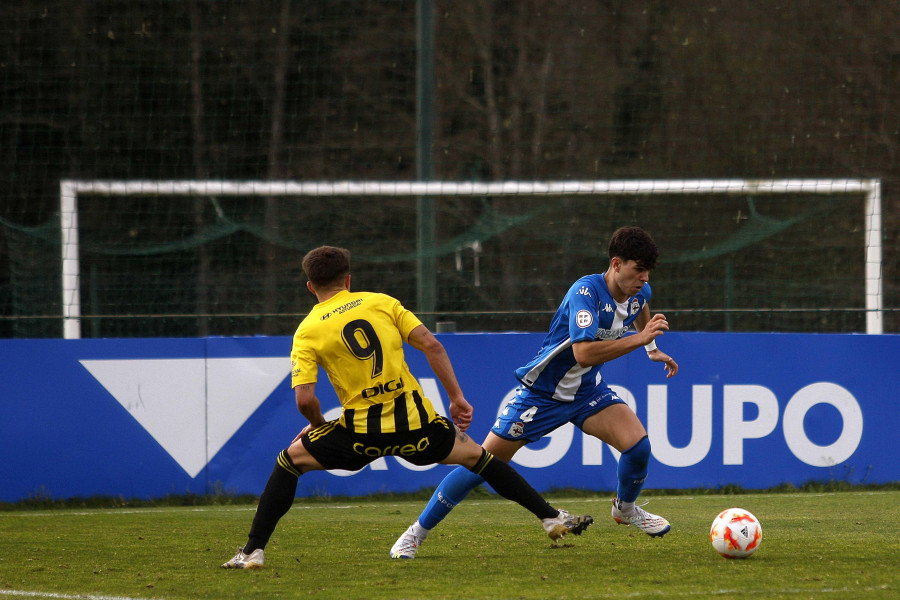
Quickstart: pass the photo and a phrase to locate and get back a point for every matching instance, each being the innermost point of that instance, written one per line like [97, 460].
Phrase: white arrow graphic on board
[191, 406]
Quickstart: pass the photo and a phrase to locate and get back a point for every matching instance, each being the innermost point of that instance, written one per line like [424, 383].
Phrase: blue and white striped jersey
[587, 312]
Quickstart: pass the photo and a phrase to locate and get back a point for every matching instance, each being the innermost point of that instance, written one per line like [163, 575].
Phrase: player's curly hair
[633, 243]
[326, 265]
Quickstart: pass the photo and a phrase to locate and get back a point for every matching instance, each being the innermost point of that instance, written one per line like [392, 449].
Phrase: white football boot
[254, 560]
[406, 545]
[652, 525]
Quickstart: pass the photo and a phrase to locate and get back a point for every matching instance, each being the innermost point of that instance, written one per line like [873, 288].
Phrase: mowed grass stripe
[839, 545]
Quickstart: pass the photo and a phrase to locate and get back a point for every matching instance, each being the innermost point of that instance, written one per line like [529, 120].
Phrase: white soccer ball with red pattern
[735, 533]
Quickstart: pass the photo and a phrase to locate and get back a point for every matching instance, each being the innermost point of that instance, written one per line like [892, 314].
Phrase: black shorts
[337, 448]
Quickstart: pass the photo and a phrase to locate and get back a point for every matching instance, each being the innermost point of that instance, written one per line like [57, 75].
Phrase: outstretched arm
[423, 340]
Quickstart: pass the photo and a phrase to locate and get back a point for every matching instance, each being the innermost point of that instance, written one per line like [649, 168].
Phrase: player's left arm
[423, 340]
[655, 354]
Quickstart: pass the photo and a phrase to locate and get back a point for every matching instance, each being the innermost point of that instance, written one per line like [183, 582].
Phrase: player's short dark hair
[633, 243]
[326, 265]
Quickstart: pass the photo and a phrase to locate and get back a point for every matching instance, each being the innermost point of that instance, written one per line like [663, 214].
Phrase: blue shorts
[529, 417]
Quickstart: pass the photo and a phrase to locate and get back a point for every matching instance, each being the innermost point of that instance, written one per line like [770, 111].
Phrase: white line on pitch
[56, 596]
[63, 512]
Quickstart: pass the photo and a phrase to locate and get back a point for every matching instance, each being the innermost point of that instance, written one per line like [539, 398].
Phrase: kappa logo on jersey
[584, 318]
[584, 291]
[608, 308]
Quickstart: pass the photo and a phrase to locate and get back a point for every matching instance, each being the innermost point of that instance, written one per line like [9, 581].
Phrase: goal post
[71, 190]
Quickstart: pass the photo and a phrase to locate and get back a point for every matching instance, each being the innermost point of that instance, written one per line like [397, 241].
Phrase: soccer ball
[735, 533]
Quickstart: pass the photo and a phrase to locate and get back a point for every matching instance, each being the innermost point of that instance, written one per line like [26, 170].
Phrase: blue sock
[632, 470]
[450, 492]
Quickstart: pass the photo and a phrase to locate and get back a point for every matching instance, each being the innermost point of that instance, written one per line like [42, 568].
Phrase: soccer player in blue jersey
[357, 339]
[562, 384]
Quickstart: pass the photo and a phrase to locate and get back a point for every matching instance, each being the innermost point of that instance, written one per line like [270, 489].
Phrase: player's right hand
[656, 326]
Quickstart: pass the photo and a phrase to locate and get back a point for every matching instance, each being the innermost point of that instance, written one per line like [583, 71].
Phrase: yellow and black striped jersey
[357, 338]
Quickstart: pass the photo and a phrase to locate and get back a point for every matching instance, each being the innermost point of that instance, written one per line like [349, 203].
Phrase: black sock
[512, 486]
[275, 501]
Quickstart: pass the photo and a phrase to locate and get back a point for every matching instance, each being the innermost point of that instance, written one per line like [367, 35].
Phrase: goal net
[187, 258]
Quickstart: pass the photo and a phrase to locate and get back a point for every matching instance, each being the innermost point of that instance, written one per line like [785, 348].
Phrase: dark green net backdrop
[523, 91]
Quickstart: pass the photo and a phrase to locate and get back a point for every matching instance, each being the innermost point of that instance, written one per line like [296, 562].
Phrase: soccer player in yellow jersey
[357, 338]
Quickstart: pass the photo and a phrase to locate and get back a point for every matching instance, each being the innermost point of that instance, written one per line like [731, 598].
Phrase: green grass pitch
[832, 545]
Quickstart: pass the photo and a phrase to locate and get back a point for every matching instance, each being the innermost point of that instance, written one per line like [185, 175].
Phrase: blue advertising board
[145, 418]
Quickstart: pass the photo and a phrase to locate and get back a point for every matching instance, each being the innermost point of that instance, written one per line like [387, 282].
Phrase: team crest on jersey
[635, 305]
[517, 429]
[584, 318]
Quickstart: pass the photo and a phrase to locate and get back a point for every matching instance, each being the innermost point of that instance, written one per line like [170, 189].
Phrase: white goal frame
[70, 190]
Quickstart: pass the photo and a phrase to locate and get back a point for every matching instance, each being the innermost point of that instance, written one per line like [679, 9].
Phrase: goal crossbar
[71, 189]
